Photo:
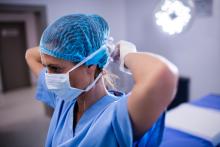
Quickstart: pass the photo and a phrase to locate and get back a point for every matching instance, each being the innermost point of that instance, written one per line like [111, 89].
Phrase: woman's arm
[33, 60]
[155, 86]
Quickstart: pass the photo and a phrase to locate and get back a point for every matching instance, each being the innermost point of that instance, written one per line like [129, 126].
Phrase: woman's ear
[92, 70]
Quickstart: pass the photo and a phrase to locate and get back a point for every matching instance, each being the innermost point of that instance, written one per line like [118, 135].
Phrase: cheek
[79, 79]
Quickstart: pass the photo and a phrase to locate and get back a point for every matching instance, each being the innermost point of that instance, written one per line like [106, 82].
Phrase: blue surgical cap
[74, 37]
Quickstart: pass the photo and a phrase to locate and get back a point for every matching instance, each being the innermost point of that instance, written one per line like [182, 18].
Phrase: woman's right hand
[33, 60]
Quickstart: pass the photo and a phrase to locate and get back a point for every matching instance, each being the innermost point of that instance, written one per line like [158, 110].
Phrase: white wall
[196, 52]
[112, 10]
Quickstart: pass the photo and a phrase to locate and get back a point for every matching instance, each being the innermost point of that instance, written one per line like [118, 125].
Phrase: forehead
[48, 60]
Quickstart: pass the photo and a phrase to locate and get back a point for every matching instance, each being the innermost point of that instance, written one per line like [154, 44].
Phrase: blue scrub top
[104, 124]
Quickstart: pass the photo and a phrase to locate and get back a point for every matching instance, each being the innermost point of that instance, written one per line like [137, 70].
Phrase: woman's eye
[54, 69]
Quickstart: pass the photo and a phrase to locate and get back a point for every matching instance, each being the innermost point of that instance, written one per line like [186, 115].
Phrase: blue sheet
[209, 101]
[175, 138]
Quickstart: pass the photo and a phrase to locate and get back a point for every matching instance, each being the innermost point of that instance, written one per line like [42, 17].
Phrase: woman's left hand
[115, 55]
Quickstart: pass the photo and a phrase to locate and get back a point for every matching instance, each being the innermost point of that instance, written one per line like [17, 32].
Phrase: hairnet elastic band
[88, 58]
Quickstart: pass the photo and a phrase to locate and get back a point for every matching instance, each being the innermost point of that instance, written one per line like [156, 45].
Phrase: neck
[87, 99]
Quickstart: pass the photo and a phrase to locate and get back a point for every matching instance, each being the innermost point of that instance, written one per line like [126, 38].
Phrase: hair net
[76, 36]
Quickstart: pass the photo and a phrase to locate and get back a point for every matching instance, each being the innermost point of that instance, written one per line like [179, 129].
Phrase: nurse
[70, 65]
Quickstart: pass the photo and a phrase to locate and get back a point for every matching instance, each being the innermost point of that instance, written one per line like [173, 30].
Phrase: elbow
[33, 60]
[170, 72]
[168, 77]
[27, 55]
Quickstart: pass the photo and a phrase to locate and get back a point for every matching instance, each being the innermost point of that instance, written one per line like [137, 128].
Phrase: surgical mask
[60, 83]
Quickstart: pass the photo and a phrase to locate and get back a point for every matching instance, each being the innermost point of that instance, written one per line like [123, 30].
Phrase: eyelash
[54, 69]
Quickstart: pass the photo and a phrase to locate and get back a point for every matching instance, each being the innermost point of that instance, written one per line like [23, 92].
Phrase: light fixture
[173, 16]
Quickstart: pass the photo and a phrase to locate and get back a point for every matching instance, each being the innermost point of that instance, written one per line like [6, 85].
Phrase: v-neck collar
[92, 111]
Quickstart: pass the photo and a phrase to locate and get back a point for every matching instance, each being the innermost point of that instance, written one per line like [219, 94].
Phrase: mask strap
[97, 78]
[87, 58]
[93, 83]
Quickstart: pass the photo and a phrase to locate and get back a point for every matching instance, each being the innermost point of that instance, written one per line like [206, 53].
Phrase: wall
[196, 52]
[112, 10]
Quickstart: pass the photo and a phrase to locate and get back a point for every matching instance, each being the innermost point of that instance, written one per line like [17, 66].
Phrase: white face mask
[60, 83]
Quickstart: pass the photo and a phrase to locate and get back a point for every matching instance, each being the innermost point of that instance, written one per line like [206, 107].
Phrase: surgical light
[173, 16]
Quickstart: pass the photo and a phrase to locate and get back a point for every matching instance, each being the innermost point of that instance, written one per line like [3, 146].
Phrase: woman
[74, 51]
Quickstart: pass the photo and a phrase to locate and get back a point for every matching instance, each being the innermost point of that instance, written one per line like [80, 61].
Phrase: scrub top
[104, 124]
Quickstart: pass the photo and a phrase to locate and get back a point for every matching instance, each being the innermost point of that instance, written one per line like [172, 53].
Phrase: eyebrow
[51, 65]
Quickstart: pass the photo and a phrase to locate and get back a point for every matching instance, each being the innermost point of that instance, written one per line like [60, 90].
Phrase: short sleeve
[153, 137]
[121, 123]
[123, 128]
[42, 93]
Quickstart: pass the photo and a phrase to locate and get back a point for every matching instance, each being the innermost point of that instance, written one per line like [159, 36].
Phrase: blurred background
[195, 51]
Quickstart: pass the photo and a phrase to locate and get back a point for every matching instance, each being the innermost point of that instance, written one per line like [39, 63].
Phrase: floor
[23, 122]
